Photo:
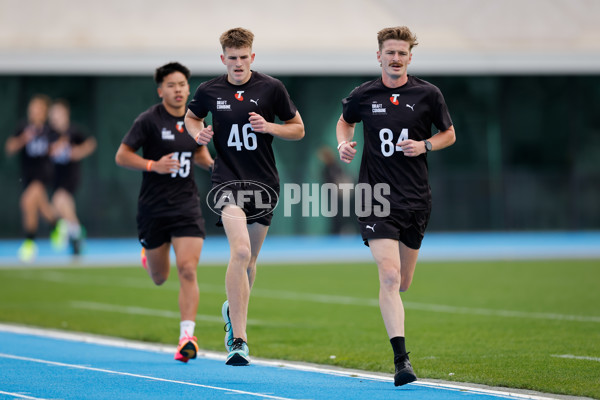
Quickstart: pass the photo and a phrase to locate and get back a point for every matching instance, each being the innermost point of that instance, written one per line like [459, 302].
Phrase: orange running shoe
[187, 349]
[144, 259]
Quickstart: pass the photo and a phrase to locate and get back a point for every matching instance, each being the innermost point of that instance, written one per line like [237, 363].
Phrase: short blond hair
[236, 38]
[397, 33]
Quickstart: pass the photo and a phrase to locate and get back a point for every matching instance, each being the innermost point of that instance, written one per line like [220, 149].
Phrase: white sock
[186, 329]
[74, 230]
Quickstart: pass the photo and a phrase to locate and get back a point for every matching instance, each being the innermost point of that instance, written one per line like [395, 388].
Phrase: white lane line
[571, 356]
[152, 378]
[21, 396]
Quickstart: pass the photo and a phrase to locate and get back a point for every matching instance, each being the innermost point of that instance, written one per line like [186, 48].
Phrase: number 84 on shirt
[387, 136]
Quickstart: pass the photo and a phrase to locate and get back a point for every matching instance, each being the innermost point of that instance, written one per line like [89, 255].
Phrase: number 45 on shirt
[184, 163]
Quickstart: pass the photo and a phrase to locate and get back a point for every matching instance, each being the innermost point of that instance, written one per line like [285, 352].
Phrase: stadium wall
[525, 158]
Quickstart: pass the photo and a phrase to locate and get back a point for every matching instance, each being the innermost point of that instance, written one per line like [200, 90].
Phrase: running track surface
[37, 364]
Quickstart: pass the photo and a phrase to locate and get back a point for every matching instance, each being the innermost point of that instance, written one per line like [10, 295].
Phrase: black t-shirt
[390, 116]
[75, 137]
[65, 168]
[35, 155]
[241, 153]
[158, 133]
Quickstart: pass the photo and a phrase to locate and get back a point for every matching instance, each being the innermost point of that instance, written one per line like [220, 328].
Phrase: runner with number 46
[243, 104]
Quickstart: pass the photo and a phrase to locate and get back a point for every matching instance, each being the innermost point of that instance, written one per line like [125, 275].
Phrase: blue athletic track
[42, 364]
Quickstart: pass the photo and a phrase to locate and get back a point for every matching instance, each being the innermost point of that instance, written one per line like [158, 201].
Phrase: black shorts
[407, 226]
[155, 231]
[44, 177]
[37, 169]
[256, 200]
[66, 177]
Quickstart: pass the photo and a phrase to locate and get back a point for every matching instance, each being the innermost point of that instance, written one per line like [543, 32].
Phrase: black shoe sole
[237, 361]
[402, 378]
[188, 351]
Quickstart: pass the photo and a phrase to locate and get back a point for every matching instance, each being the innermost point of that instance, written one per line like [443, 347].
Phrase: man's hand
[205, 135]
[258, 123]
[166, 165]
[347, 151]
[412, 148]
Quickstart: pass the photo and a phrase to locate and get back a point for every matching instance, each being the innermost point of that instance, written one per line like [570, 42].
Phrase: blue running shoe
[239, 353]
[228, 328]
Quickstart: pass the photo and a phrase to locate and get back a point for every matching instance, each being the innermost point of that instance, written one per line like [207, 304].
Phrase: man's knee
[187, 271]
[241, 254]
[389, 277]
[158, 278]
[404, 286]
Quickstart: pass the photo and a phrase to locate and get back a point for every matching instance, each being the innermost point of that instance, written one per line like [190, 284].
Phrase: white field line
[152, 378]
[133, 310]
[499, 313]
[65, 277]
[161, 348]
[571, 356]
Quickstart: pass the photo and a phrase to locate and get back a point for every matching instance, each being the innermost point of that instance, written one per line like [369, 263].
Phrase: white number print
[184, 163]
[388, 147]
[248, 141]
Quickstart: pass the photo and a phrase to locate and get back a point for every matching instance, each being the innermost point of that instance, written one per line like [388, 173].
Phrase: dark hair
[167, 69]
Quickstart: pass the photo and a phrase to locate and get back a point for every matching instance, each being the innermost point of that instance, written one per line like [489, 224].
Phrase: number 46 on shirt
[387, 145]
[248, 140]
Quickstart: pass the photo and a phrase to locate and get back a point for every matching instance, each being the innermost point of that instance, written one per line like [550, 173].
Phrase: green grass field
[499, 323]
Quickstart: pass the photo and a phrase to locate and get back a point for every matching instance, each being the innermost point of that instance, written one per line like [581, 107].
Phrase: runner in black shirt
[397, 111]
[33, 139]
[169, 205]
[67, 152]
[243, 104]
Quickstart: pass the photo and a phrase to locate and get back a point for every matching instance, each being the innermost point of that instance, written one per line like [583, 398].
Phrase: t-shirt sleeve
[78, 135]
[20, 128]
[285, 109]
[350, 107]
[136, 136]
[197, 106]
[441, 115]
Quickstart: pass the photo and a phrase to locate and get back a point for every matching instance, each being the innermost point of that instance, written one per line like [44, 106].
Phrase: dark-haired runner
[169, 204]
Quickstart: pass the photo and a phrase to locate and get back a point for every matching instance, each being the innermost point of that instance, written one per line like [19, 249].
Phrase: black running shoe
[404, 372]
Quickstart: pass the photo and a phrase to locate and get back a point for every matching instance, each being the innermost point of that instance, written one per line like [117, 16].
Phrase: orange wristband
[149, 166]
